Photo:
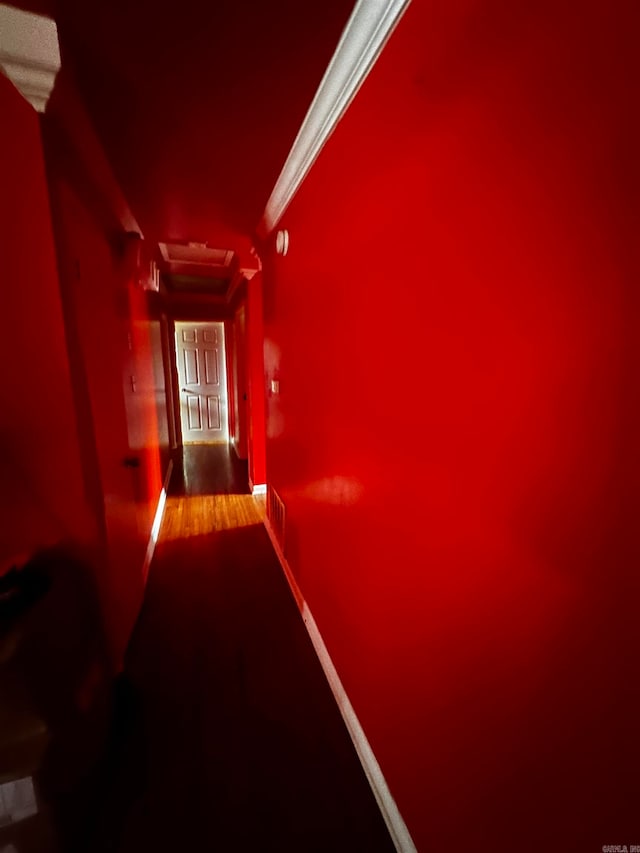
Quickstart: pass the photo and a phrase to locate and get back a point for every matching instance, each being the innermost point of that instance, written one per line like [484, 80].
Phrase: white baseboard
[260, 489]
[157, 521]
[395, 824]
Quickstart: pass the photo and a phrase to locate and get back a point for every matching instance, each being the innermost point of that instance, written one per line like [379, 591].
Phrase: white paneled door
[202, 382]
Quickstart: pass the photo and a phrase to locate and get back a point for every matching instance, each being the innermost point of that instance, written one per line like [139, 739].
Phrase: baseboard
[260, 489]
[393, 819]
[157, 521]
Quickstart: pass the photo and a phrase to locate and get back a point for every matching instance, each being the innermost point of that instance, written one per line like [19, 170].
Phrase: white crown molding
[370, 25]
[29, 54]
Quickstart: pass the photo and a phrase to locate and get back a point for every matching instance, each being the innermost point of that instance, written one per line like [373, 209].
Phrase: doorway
[202, 383]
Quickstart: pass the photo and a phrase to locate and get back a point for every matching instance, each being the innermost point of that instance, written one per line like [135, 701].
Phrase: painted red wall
[255, 362]
[145, 400]
[63, 409]
[245, 362]
[109, 326]
[455, 333]
[42, 492]
[112, 351]
[239, 395]
[157, 328]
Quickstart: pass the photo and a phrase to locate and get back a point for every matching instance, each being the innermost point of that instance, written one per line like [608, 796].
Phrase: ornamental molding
[365, 35]
[29, 54]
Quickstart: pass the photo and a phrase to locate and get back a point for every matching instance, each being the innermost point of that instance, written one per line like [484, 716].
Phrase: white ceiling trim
[29, 54]
[370, 25]
[195, 254]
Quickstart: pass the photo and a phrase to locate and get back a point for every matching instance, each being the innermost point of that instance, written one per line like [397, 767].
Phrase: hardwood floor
[229, 738]
[200, 515]
[208, 469]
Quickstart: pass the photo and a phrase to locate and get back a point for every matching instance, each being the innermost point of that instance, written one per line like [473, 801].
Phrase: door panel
[202, 382]
[215, 420]
[190, 358]
[211, 367]
[194, 418]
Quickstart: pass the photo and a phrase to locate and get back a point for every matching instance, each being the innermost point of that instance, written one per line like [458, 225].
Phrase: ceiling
[197, 103]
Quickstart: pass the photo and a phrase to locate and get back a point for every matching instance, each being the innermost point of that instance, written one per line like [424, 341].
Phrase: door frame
[175, 425]
[175, 428]
[168, 332]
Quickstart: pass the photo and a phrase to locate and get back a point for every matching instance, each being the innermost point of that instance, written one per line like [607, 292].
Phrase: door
[202, 382]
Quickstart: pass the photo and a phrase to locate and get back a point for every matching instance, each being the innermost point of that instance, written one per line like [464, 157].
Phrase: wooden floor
[208, 469]
[200, 515]
[229, 738]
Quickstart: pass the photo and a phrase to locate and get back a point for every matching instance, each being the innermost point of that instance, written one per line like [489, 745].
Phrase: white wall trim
[259, 489]
[157, 521]
[29, 53]
[390, 812]
[367, 30]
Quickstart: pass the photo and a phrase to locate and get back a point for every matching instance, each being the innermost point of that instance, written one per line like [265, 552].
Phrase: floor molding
[157, 521]
[390, 812]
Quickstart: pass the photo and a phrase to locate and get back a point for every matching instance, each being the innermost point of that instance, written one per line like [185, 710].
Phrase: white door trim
[201, 391]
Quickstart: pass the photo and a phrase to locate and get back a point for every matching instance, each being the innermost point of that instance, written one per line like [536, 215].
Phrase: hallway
[403, 236]
[235, 741]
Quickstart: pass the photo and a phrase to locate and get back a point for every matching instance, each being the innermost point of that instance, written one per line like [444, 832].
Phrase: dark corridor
[224, 734]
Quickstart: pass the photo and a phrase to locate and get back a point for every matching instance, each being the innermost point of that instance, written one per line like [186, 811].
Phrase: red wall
[114, 334]
[455, 333]
[74, 334]
[109, 332]
[246, 378]
[42, 492]
[238, 424]
[255, 362]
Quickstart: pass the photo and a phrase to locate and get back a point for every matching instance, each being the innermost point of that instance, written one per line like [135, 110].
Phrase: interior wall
[144, 395]
[238, 332]
[43, 496]
[109, 337]
[157, 332]
[256, 386]
[108, 327]
[455, 335]
[246, 377]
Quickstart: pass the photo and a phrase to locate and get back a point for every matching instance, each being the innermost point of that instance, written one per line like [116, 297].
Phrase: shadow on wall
[60, 707]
